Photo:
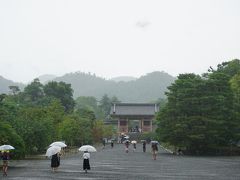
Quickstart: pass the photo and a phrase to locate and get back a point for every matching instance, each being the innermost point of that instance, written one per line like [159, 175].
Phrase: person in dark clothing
[179, 152]
[144, 146]
[126, 146]
[5, 158]
[154, 150]
[104, 143]
[55, 162]
[112, 144]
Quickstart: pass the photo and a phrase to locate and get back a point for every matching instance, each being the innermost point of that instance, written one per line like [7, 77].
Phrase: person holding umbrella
[5, 158]
[134, 145]
[55, 162]
[86, 156]
[86, 164]
[154, 149]
[54, 153]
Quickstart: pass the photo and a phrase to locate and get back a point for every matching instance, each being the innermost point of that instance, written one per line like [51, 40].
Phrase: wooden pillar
[140, 124]
[127, 125]
[151, 125]
[119, 126]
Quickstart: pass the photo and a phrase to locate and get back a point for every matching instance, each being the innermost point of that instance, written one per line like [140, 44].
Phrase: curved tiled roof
[134, 109]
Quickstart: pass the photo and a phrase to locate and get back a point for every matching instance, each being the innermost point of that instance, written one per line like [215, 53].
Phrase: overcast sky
[116, 37]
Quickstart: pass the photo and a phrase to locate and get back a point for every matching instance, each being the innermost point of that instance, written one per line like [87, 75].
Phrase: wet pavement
[116, 164]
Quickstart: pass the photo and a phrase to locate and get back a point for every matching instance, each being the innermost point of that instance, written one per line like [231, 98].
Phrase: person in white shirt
[86, 164]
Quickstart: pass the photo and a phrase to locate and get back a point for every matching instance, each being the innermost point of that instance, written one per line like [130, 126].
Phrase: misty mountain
[123, 78]
[46, 77]
[5, 83]
[147, 88]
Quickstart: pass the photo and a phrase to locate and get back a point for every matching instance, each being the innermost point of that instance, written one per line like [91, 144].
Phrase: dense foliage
[202, 112]
[32, 119]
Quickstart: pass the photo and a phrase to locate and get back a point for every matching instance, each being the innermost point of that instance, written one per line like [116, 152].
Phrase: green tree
[86, 102]
[35, 128]
[33, 93]
[108, 131]
[76, 130]
[61, 91]
[230, 68]
[55, 113]
[235, 86]
[69, 131]
[97, 131]
[114, 99]
[14, 90]
[105, 104]
[199, 113]
[9, 136]
[86, 113]
[89, 103]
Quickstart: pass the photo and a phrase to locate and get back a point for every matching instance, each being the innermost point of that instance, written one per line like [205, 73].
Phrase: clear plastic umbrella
[53, 150]
[6, 147]
[58, 143]
[88, 148]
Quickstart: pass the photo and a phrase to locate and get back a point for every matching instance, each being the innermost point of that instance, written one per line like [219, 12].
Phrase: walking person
[86, 164]
[5, 158]
[134, 146]
[154, 150]
[55, 162]
[104, 143]
[126, 146]
[179, 152]
[144, 146]
[112, 144]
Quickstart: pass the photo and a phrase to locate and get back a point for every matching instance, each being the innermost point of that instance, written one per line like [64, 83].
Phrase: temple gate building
[134, 117]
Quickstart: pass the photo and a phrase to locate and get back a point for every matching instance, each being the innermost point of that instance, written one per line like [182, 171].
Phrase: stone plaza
[115, 163]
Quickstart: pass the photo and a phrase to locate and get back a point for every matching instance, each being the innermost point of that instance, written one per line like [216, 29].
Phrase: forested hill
[147, 88]
[5, 83]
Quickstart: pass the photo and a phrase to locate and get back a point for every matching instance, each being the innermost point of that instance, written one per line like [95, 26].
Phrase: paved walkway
[116, 164]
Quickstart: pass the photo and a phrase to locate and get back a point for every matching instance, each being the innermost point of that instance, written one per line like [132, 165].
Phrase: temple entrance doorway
[134, 126]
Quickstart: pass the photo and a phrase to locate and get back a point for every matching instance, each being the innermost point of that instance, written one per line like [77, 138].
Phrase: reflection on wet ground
[116, 164]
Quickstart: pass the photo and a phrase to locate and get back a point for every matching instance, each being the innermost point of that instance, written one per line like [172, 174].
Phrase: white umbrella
[87, 148]
[58, 143]
[126, 141]
[53, 150]
[154, 142]
[6, 147]
[134, 142]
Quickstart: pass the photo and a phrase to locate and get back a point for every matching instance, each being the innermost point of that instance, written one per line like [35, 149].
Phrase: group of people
[5, 158]
[154, 147]
[55, 161]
